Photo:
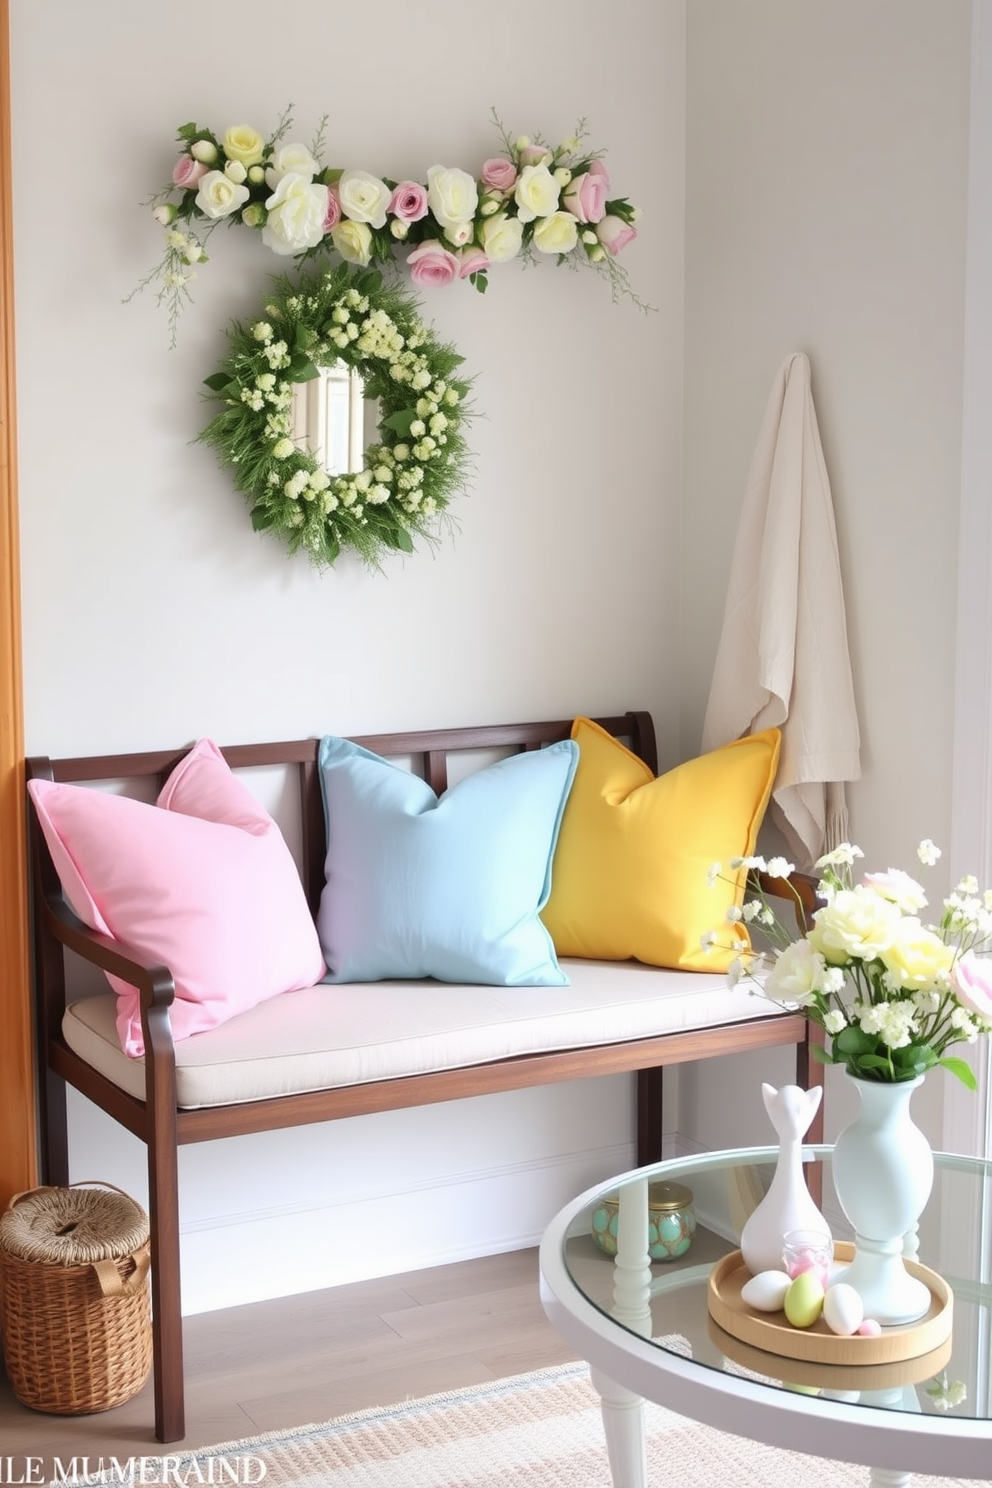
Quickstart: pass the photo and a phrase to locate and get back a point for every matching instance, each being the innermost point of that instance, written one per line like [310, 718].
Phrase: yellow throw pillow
[629, 878]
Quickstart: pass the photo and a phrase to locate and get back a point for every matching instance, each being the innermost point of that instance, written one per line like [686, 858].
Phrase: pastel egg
[843, 1309]
[869, 1328]
[766, 1291]
[804, 1300]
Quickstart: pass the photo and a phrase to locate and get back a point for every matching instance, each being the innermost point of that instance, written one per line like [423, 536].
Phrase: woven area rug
[540, 1430]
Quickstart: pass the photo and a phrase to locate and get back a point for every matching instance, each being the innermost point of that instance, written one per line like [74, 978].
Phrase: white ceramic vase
[883, 1174]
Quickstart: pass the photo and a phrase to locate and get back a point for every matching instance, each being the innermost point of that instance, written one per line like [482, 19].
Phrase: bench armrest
[155, 984]
[798, 890]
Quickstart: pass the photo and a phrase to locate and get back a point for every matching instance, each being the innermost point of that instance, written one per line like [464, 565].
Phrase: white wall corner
[966, 1116]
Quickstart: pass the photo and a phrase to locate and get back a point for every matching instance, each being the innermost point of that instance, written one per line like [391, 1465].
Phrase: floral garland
[531, 201]
[341, 315]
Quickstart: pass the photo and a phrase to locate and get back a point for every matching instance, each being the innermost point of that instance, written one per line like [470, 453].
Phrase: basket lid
[669, 1196]
[73, 1226]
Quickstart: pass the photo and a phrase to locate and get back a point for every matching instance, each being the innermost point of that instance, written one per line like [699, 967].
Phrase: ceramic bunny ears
[790, 1108]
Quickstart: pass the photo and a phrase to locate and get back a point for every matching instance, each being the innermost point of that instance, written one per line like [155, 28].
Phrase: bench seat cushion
[328, 1036]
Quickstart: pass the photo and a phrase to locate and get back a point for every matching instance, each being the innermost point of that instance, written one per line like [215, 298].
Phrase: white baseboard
[282, 1250]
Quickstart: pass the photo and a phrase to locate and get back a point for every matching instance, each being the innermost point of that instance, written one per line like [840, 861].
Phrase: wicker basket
[74, 1307]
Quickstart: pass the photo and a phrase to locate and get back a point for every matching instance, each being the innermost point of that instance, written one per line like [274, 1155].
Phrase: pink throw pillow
[202, 882]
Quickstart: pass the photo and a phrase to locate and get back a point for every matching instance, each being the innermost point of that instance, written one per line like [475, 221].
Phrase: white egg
[766, 1291]
[843, 1309]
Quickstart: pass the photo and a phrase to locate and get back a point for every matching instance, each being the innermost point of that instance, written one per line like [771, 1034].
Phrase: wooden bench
[152, 1110]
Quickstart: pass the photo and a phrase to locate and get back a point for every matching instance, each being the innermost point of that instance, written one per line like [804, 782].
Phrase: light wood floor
[274, 1365]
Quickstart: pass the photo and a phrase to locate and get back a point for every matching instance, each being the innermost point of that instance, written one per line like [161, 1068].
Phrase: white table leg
[632, 1266]
[623, 1411]
[623, 1425]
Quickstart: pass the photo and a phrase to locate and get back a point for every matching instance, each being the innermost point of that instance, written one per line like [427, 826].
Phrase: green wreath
[421, 458]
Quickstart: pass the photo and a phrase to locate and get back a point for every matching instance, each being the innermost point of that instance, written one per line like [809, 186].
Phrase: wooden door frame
[18, 1145]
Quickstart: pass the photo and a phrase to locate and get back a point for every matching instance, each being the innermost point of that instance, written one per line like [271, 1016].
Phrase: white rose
[502, 237]
[364, 198]
[557, 233]
[295, 159]
[353, 240]
[235, 171]
[796, 975]
[917, 959]
[536, 193]
[460, 233]
[203, 150]
[856, 924]
[219, 197]
[296, 215]
[243, 143]
[452, 196]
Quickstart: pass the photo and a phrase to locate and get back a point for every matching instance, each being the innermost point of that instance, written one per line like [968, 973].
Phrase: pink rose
[333, 214]
[615, 234]
[898, 888]
[187, 172]
[535, 155]
[499, 174]
[585, 195]
[431, 263]
[408, 202]
[971, 981]
[471, 261]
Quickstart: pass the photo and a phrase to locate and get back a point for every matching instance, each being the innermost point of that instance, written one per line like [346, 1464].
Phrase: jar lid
[669, 1196]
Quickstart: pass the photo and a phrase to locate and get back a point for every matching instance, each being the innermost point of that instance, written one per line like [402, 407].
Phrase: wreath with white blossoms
[420, 458]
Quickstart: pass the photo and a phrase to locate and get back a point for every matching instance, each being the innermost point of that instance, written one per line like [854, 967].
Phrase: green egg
[804, 1300]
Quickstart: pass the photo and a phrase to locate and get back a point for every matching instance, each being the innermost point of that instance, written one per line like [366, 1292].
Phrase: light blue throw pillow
[449, 887]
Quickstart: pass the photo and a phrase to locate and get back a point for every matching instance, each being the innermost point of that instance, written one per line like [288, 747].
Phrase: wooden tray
[860, 1376]
[770, 1331]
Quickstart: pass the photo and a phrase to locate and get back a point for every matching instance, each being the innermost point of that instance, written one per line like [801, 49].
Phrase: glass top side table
[645, 1329]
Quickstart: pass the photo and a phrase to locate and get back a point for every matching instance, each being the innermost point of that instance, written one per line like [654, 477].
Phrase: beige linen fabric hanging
[783, 657]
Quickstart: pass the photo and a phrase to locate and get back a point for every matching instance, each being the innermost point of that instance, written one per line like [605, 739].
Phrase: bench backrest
[431, 753]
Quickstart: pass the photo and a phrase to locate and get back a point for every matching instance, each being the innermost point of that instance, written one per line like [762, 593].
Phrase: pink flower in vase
[971, 981]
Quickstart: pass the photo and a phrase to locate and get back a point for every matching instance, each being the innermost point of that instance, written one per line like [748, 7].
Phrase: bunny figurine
[787, 1205]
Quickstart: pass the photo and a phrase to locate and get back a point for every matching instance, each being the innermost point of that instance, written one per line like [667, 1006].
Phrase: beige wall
[826, 212]
[153, 613]
[806, 158]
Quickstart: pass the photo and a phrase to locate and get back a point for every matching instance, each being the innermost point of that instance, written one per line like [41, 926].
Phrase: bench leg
[809, 1072]
[649, 1122]
[167, 1319]
[54, 1128]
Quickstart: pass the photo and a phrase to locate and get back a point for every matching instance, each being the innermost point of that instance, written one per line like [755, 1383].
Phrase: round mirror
[369, 458]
